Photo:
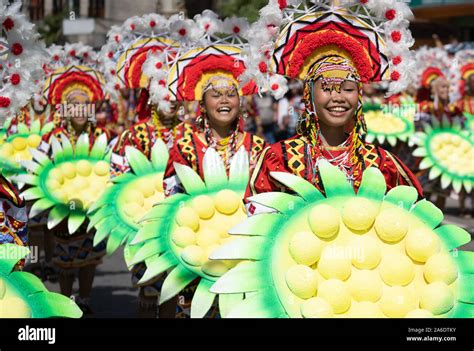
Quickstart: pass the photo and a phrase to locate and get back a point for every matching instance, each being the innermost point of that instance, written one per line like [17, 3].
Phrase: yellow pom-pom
[316, 307]
[55, 173]
[186, 217]
[365, 285]
[302, 281]
[3, 288]
[215, 268]
[396, 269]
[305, 248]
[365, 309]
[68, 170]
[324, 221]
[7, 149]
[227, 201]
[101, 168]
[334, 263]
[437, 298]
[421, 244]
[440, 268]
[80, 184]
[19, 144]
[145, 187]
[133, 196]
[193, 255]
[397, 301]
[391, 225]
[366, 252]
[204, 206]
[208, 237]
[336, 293]
[133, 210]
[52, 184]
[84, 168]
[159, 183]
[34, 140]
[14, 307]
[419, 313]
[359, 214]
[184, 236]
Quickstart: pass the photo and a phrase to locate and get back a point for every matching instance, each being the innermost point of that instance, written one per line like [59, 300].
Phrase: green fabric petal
[468, 185]
[113, 243]
[40, 206]
[57, 150]
[250, 248]
[149, 249]
[426, 163]
[202, 299]
[40, 157]
[402, 196]
[151, 230]
[434, 173]
[239, 170]
[299, 185]
[240, 279]
[227, 302]
[466, 288]
[463, 310]
[445, 180]
[26, 282]
[47, 305]
[11, 254]
[157, 265]
[23, 129]
[159, 155]
[99, 147]
[56, 216]
[419, 152]
[82, 146]
[48, 127]
[191, 180]
[465, 261]
[428, 213]
[334, 180]
[215, 175]
[281, 202]
[35, 127]
[104, 228]
[373, 184]
[176, 281]
[68, 150]
[75, 220]
[28, 179]
[457, 185]
[392, 140]
[138, 161]
[452, 236]
[252, 307]
[260, 224]
[33, 193]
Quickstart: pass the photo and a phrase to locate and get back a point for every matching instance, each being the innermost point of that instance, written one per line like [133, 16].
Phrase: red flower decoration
[396, 36]
[182, 32]
[4, 101]
[162, 82]
[112, 72]
[110, 54]
[364, 1]
[159, 65]
[262, 66]
[15, 79]
[8, 24]
[132, 26]
[275, 86]
[17, 49]
[397, 60]
[117, 86]
[236, 30]
[206, 27]
[395, 76]
[390, 14]
[117, 38]
[86, 55]
[56, 57]
[167, 98]
[152, 24]
[282, 4]
[72, 53]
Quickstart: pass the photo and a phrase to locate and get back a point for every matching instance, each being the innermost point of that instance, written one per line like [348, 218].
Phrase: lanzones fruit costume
[22, 295]
[336, 243]
[205, 179]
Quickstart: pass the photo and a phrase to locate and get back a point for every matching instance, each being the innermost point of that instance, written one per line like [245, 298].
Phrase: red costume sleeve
[396, 173]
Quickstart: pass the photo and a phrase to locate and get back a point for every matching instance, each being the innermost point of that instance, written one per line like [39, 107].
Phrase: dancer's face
[336, 109]
[79, 119]
[221, 106]
[441, 88]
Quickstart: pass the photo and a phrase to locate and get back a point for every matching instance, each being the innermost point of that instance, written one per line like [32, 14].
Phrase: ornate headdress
[22, 57]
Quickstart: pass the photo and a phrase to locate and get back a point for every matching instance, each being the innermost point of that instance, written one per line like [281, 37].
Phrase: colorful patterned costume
[13, 219]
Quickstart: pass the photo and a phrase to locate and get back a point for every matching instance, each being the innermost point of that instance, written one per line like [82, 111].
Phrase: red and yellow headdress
[73, 72]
